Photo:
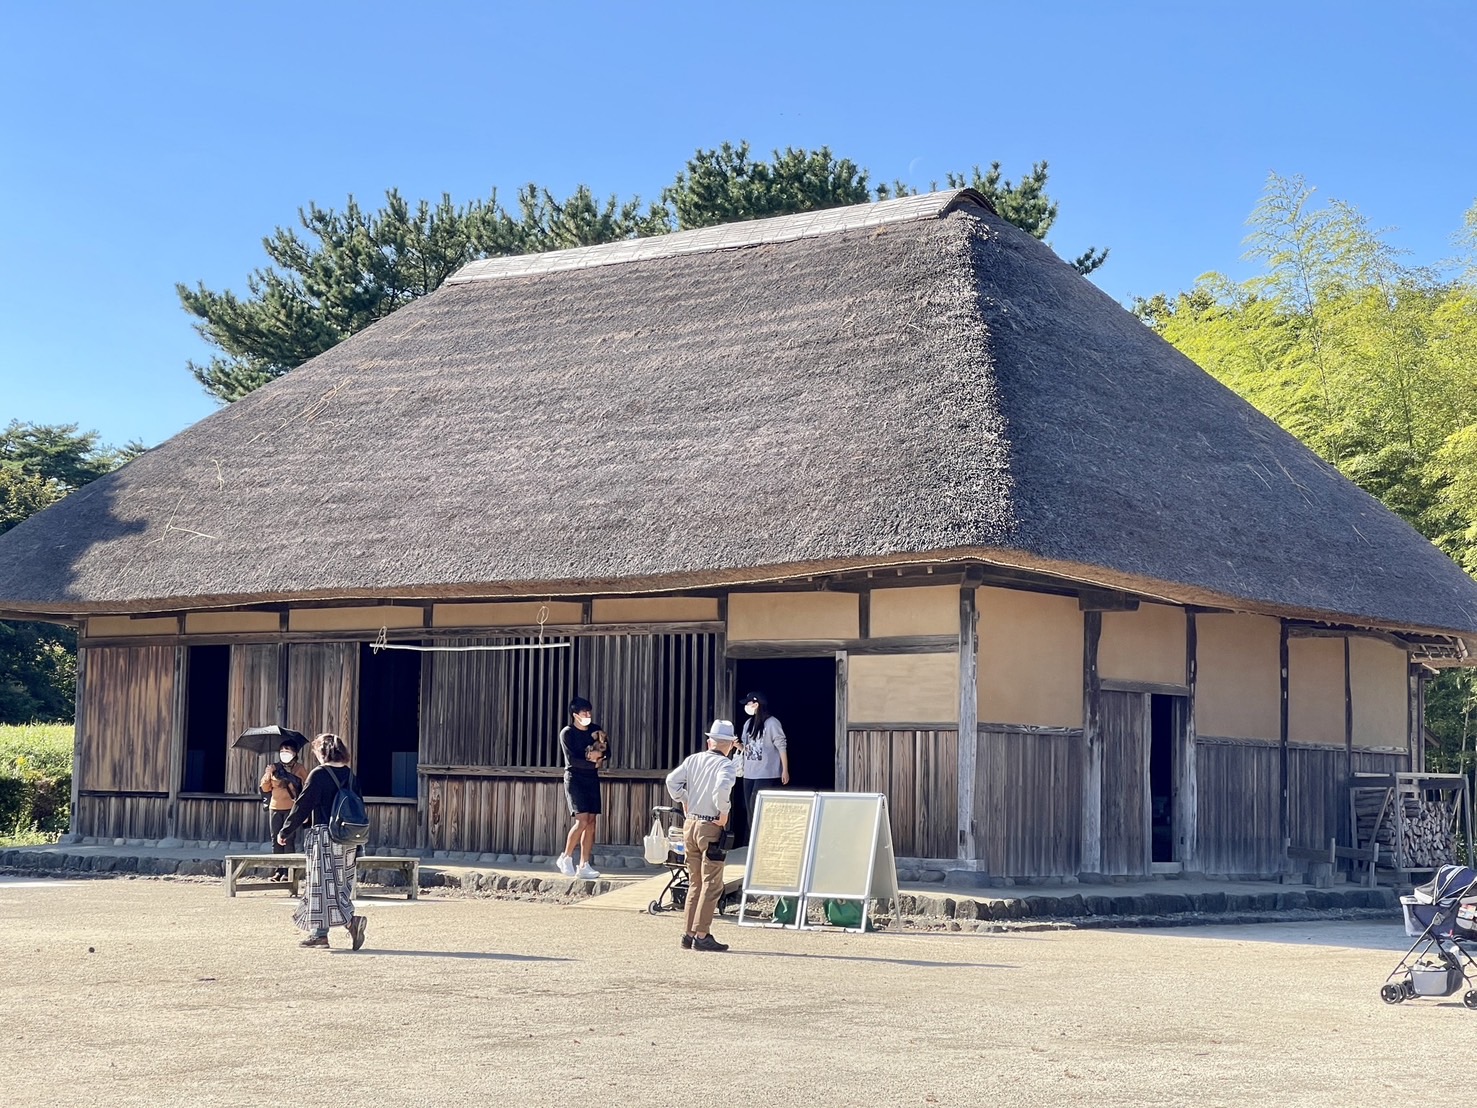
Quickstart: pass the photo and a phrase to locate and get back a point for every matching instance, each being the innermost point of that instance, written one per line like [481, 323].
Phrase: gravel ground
[164, 992]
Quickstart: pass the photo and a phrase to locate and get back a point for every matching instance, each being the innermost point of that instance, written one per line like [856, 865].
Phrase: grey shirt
[702, 783]
[762, 751]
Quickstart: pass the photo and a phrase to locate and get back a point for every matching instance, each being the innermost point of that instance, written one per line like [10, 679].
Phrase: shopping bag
[655, 844]
[844, 913]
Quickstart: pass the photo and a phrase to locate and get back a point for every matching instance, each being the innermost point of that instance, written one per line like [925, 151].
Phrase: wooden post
[1284, 811]
[78, 746]
[422, 782]
[841, 714]
[1187, 800]
[177, 738]
[1146, 809]
[1092, 746]
[968, 743]
[1415, 727]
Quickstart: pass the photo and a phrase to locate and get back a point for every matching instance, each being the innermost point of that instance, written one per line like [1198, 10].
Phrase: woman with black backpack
[328, 895]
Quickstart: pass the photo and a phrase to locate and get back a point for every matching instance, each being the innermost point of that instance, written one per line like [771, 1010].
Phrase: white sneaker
[565, 864]
[587, 872]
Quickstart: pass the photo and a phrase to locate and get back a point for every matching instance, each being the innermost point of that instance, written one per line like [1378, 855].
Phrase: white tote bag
[655, 844]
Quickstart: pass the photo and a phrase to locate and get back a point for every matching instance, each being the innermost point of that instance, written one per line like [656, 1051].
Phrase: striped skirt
[328, 894]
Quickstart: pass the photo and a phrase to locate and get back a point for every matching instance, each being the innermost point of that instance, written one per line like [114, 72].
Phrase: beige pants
[704, 877]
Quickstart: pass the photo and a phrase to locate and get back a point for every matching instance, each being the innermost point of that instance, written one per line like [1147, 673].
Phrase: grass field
[35, 782]
[46, 747]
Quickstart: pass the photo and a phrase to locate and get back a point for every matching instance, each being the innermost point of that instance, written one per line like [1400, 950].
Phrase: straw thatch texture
[936, 386]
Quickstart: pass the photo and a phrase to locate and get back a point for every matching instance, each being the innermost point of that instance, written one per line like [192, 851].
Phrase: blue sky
[155, 142]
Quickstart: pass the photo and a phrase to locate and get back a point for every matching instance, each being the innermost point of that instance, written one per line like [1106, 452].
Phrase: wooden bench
[296, 866]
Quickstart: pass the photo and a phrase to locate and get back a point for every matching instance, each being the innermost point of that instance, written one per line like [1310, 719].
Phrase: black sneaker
[315, 940]
[707, 942]
[357, 926]
[686, 942]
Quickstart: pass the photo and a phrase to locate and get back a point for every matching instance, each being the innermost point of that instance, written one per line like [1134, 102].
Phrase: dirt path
[469, 1001]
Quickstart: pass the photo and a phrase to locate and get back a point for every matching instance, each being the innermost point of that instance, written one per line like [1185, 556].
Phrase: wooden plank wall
[918, 771]
[322, 691]
[121, 816]
[1239, 795]
[1125, 801]
[1368, 761]
[391, 825]
[494, 707]
[1028, 801]
[213, 819]
[1318, 795]
[654, 694]
[243, 819]
[528, 815]
[254, 701]
[127, 720]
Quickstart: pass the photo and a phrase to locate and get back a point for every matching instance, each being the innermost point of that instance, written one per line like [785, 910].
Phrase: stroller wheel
[1469, 998]
[654, 907]
[1393, 993]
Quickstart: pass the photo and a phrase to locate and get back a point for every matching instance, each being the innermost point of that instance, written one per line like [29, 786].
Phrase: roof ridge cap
[725, 236]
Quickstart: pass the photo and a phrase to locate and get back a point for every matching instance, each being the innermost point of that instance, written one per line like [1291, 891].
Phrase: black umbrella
[264, 740]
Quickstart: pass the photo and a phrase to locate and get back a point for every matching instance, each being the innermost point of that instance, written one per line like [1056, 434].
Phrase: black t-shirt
[574, 742]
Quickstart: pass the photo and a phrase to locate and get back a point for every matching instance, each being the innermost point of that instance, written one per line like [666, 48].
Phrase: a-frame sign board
[819, 847]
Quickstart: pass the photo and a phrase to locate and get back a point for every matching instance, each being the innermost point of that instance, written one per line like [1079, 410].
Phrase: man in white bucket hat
[702, 784]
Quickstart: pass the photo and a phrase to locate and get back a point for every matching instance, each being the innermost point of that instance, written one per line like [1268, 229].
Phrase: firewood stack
[1426, 838]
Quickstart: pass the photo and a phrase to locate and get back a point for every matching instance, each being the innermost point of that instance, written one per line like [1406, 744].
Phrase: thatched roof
[898, 382]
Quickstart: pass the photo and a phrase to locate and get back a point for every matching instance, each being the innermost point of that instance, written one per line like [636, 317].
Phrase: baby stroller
[1442, 916]
[673, 897]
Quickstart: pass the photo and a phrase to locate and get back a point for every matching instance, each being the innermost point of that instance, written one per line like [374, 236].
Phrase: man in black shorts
[584, 747]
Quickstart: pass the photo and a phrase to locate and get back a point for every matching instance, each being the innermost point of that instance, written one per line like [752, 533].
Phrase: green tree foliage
[1025, 204]
[40, 464]
[1371, 362]
[339, 271]
[59, 454]
[22, 495]
[728, 186]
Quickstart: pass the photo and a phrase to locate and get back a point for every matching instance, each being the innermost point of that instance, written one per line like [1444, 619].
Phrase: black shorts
[582, 790]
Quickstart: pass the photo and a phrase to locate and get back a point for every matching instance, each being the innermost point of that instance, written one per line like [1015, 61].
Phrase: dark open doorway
[1165, 721]
[207, 710]
[389, 721]
[802, 695]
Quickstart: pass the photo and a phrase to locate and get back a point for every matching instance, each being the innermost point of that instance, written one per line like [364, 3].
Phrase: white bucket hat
[722, 730]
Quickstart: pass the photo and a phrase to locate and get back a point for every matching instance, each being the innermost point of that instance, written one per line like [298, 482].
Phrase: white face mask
[751, 709]
[285, 756]
[583, 721]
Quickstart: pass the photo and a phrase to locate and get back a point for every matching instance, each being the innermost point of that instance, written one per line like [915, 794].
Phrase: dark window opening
[1162, 735]
[389, 721]
[207, 707]
[802, 696]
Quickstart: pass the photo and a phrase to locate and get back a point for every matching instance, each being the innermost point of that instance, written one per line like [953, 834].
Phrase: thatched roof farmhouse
[898, 462]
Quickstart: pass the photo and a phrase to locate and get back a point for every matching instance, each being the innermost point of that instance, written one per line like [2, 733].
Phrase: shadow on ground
[488, 955]
[863, 958]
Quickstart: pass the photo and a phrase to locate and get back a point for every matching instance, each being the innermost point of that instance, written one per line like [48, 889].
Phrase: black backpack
[348, 821]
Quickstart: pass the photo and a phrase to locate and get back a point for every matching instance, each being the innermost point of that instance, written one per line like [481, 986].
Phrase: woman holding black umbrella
[281, 783]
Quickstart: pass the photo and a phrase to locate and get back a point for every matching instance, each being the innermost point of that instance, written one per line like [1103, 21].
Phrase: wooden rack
[1409, 823]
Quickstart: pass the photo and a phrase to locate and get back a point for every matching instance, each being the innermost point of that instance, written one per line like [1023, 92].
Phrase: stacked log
[1426, 835]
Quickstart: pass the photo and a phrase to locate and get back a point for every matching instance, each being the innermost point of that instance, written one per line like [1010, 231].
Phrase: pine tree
[340, 271]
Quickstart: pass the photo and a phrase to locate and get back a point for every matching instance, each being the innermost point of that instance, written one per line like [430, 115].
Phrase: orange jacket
[282, 798]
